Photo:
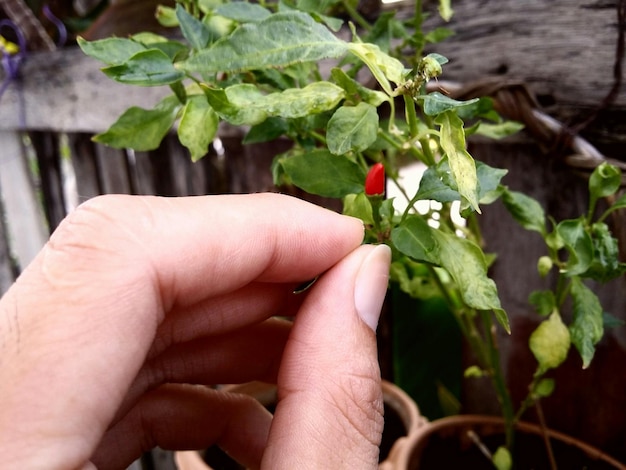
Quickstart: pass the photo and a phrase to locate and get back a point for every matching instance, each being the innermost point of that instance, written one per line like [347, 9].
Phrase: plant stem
[497, 377]
[356, 16]
[317, 136]
[428, 154]
[465, 322]
[562, 290]
[411, 115]
[475, 230]
[410, 149]
[546, 437]
[401, 189]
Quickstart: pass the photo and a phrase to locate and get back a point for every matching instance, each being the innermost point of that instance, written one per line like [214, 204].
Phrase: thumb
[330, 406]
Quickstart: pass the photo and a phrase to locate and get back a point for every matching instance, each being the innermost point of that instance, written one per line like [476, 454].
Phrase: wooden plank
[564, 49]
[46, 145]
[7, 267]
[66, 91]
[142, 174]
[179, 167]
[27, 230]
[84, 161]
[112, 170]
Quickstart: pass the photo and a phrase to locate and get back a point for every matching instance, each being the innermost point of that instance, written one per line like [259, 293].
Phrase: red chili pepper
[375, 180]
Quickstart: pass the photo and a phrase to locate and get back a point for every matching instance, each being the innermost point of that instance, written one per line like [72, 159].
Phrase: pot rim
[402, 458]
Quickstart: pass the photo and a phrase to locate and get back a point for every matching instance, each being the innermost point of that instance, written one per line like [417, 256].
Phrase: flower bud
[544, 265]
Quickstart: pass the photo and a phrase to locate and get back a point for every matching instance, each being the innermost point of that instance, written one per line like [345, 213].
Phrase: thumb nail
[370, 286]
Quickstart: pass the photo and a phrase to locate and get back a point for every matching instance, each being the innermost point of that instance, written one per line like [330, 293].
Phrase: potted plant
[257, 66]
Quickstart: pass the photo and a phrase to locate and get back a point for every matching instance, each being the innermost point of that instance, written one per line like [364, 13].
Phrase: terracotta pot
[402, 420]
[447, 443]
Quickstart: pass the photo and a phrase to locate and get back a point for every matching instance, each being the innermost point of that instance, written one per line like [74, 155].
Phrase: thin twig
[481, 446]
[544, 434]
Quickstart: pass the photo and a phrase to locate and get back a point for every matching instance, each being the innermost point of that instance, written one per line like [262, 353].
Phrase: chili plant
[257, 65]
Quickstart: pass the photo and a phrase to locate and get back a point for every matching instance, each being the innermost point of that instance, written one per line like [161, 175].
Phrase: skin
[108, 338]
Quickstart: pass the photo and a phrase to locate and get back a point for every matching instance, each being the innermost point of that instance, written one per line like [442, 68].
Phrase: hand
[136, 300]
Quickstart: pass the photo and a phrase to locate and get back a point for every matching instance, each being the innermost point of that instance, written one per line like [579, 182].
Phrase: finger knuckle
[87, 240]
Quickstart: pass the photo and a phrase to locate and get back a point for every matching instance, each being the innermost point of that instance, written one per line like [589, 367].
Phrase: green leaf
[316, 9]
[314, 98]
[606, 263]
[236, 114]
[415, 238]
[352, 128]
[502, 459]
[438, 35]
[436, 103]
[604, 181]
[387, 214]
[610, 321]
[445, 10]
[207, 6]
[277, 41]
[141, 129]
[218, 26]
[358, 205]
[550, 342]
[192, 28]
[243, 12]
[578, 244]
[270, 129]
[544, 388]
[543, 301]
[245, 104]
[436, 183]
[500, 130]
[198, 126]
[111, 51]
[173, 49]
[384, 67]
[322, 173]
[525, 210]
[354, 90]
[463, 259]
[483, 108]
[150, 67]
[587, 327]
[452, 139]
[414, 279]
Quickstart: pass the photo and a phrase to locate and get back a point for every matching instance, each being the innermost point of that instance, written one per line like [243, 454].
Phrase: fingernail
[370, 286]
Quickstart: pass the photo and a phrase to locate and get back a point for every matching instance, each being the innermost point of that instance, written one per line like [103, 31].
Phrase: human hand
[135, 298]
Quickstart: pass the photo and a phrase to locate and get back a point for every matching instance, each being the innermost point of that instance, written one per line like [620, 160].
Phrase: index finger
[190, 248]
